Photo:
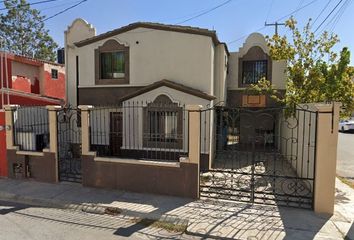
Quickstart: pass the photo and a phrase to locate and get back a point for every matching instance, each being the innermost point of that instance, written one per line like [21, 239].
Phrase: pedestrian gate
[69, 144]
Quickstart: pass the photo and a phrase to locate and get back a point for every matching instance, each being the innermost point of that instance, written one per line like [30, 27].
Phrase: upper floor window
[54, 74]
[253, 66]
[253, 71]
[112, 63]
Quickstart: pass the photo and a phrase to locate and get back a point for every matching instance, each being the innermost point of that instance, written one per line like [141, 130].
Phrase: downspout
[7, 80]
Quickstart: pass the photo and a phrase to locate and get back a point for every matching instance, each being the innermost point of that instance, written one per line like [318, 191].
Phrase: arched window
[253, 66]
[163, 125]
[112, 63]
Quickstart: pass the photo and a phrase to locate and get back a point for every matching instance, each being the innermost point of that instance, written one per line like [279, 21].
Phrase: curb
[88, 208]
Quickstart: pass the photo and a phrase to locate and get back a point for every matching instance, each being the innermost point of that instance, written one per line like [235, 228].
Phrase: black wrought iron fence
[261, 155]
[140, 130]
[31, 128]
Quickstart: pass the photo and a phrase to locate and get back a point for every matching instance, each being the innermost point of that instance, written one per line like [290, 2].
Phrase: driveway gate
[69, 144]
[262, 156]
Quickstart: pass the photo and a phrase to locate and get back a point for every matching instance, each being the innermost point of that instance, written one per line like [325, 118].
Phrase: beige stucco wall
[179, 57]
[77, 31]
[297, 140]
[220, 73]
[133, 119]
[29, 71]
[254, 39]
[184, 58]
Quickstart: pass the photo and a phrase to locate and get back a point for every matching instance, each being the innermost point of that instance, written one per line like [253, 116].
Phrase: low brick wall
[40, 168]
[179, 181]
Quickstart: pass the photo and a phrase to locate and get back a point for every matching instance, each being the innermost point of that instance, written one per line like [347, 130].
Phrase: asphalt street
[25, 222]
[345, 155]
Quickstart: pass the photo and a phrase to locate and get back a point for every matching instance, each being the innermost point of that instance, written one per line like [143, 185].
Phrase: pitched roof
[156, 26]
[170, 84]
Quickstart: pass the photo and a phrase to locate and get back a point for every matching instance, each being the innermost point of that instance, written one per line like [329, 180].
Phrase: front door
[116, 133]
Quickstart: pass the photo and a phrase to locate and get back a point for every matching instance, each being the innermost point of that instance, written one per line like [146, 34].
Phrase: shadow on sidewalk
[7, 207]
[236, 220]
[350, 233]
[207, 219]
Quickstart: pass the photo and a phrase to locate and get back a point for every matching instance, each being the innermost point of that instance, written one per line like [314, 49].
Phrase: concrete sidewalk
[205, 219]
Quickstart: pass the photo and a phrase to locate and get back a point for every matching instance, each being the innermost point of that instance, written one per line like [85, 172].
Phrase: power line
[325, 7]
[191, 18]
[269, 10]
[205, 12]
[339, 14]
[29, 4]
[296, 10]
[59, 5]
[278, 20]
[328, 16]
[65, 10]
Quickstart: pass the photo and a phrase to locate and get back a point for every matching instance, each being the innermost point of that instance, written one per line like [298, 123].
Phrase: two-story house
[186, 64]
[151, 63]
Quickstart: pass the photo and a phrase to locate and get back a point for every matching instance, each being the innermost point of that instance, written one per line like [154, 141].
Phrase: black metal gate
[69, 144]
[262, 156]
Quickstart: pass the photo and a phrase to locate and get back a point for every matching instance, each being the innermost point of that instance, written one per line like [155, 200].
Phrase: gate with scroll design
[69, 144]
[262, 156]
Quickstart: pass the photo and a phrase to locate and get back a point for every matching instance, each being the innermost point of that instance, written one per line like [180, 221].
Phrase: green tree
[23, 31]
[314, 72]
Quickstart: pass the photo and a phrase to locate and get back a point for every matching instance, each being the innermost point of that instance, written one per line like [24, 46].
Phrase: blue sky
[231, 21]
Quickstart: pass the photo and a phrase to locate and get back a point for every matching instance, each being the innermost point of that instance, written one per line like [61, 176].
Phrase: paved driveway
[345, 155]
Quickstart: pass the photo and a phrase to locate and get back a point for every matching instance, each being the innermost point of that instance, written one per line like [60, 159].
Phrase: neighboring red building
[27, 81]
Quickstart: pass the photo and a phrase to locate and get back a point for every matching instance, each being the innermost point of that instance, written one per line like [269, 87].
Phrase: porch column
[53, 128]
[194, 136]
[85, 128]
[326, 157]
[9, 125]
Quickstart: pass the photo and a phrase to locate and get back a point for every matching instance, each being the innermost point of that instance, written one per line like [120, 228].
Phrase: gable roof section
[170, 84]
[155, 26]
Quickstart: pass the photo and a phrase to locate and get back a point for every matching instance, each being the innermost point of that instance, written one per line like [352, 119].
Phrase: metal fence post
[194, 136]
[85, 124]
[9, 125]
[326, 157]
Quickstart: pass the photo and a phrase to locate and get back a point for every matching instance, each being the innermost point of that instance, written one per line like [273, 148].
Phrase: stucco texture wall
[158, 55]
[153, 55]
[25, 77]
[253, 40]
[52, 87]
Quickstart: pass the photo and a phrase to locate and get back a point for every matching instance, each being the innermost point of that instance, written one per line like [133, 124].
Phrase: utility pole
[276, 24]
